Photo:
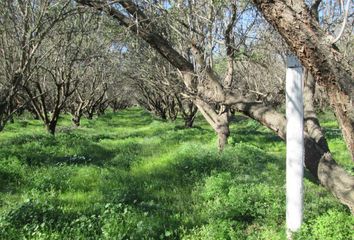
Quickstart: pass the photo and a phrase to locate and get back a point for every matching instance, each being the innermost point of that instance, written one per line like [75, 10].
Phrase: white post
[294, 145]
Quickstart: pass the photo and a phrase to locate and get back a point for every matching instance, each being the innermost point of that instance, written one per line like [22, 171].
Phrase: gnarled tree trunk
[188, 122]
[76, 120]
[218, 121]
[51, 127]
[313, 46]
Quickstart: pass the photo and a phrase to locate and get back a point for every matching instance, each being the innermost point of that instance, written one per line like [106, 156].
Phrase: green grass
[130, 176]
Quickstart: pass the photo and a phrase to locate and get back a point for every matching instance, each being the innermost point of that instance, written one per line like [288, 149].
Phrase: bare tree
[188, 110]
[154, 90]
[56, 79]
[157, 85]
[25, 25]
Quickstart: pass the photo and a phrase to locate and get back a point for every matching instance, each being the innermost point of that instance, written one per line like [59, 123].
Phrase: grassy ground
[130, 176]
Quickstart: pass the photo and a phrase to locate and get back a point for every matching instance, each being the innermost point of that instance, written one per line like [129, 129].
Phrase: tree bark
[223, 130]
[188, 122]
[76, 120]
[162, 114]
[319, 158]
[312, 124]
[51, 127]
[313, 46]
[345, 116]
[218, 121]
[223, 135]
[89, 115]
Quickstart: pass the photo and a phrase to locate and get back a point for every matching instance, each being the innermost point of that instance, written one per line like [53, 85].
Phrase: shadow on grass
[166, 183]
[47, 216]
[69, 148]
[127, 118]
[75, 149]
[332, 133]
[165, 189]
[182, 135]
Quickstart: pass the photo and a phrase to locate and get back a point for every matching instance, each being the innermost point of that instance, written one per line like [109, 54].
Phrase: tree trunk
[162, 115]
[337, 180]
[340, 183]
[36, 116]
[312, 124]
[76, 120]
[223, 136]
[187, 110]
[223, 130]
[3, 110]
[188, 122]
[90, 115]
[219, 122]
[51, 127]
[314, 48]
[101, 111]
[345, 116]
